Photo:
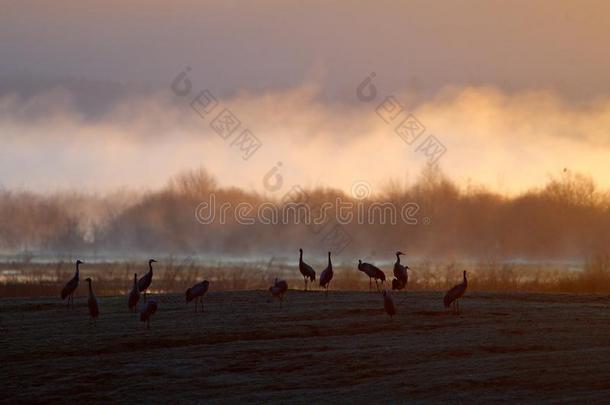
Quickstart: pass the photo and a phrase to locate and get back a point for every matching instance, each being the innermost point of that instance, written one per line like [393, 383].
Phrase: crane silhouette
[197, 292]
[134, 295]
[146, 279]
[70, 287]
[372, 271]
[388, 304]
[278, 290]
[147, 312]
[94, 307]
[401, 276]
[306, 270]
[326, 276]
[453, 295]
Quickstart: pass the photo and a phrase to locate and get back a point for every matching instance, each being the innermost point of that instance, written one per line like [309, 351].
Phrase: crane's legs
[305, 281]
[144, 295]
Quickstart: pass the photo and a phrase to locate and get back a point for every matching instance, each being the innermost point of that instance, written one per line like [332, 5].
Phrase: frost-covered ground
[526, 347]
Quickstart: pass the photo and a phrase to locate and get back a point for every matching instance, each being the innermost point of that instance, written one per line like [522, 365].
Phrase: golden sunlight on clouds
[508, 142]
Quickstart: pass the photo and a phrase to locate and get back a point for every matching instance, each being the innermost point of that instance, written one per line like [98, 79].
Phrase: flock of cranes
[277, 290]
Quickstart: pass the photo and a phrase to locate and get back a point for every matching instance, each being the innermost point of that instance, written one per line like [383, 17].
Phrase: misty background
[94, 140]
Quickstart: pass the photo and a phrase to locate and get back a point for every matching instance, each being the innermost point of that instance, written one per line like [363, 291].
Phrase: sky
[514, 91]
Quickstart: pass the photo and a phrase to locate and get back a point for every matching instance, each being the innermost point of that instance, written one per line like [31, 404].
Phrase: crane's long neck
[330, 264]
[90, 289]
[465, 279]
[150, 267]
[397, 258]
[77, 270]
[135, 281]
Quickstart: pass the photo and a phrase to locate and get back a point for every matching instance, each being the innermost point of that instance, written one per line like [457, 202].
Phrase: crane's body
[454, 294]
[306, 270]
[94, 306]
[388, 304]
[401, 275]
[278, 289]
[134, 295]
[147, 312]
[373, 272]
[146, 279]
[70, 287]
[197, 292]
[327, 275]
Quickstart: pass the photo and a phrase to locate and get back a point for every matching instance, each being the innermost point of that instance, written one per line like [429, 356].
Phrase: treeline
[569, 217]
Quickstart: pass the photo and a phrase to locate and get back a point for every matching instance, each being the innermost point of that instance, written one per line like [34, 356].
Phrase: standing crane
[147, 312]
[278, 290]
[388, 304]
[134, 295]
[306, 270]
[372, 271]
[94, 307]
[197, 292]
[401, 276]
[327, 275]
[453, 296]
[70, 287]
[146, 279]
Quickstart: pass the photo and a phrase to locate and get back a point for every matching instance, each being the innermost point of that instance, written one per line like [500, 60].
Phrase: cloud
[507, 141]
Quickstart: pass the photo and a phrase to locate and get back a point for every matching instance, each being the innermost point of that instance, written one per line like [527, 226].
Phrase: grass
[29, 279]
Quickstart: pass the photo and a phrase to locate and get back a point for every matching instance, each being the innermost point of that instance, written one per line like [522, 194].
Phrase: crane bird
[306, 270]
[372, 271]
[94, 307]
[147, 312]
[278, 290]
[388, 304]
[70, 287]
[453, 296]
[146, 279]
[197, 292]
[327, 275]
[401, 276]
[134, 295]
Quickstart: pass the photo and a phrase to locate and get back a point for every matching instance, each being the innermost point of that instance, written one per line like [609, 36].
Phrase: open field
[519, 346]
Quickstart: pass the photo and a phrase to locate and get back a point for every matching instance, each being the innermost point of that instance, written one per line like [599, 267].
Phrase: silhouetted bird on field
[70, 287]
[306, 270]
[278, 290]
[401, 276]
[327, 275]
[453, 296]
[146, 279]
[197, 292]
[147, 312]
[373, 273]
[134, 295]
[388, 304]
[94, 308]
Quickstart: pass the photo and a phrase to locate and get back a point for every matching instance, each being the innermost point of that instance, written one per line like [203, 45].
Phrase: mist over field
[566, 219]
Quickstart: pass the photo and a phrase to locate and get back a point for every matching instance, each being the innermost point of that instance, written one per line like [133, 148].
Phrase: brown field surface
[343, 348]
